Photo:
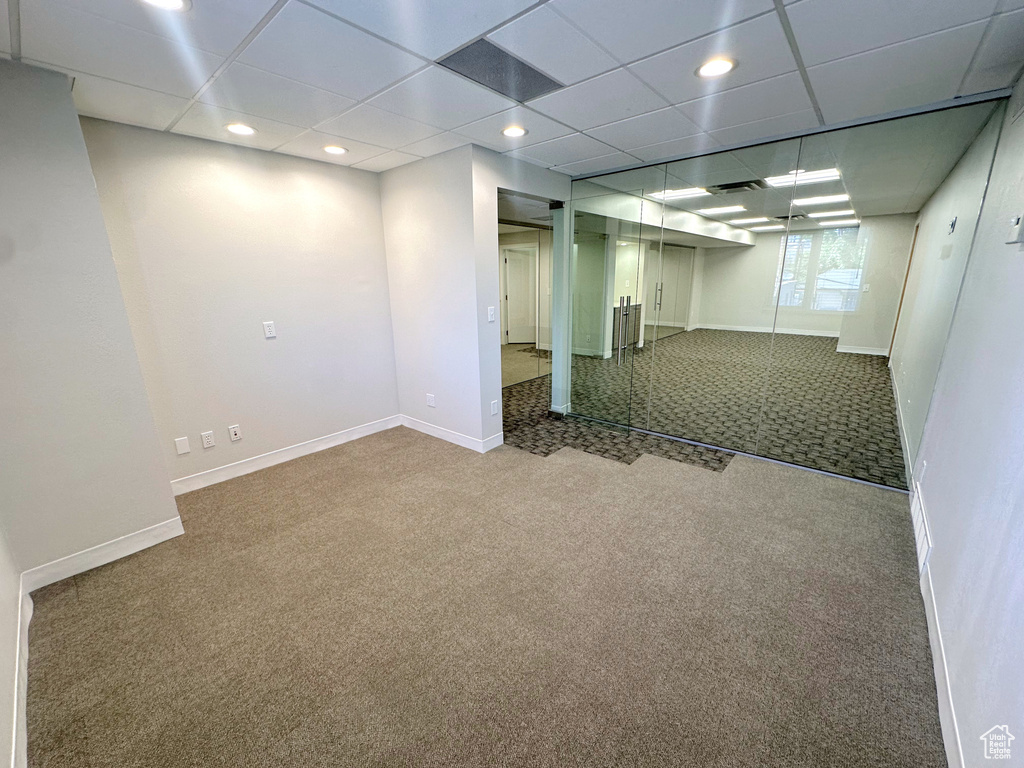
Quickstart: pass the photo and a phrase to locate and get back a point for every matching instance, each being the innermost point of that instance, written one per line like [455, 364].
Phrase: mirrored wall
[753, 299]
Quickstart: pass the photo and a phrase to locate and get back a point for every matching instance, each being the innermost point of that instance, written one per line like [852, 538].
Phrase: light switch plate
[494, 407]
[490, 314]
[1016, 231]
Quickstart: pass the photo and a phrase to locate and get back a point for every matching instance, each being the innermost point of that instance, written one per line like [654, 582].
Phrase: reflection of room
[769, 286]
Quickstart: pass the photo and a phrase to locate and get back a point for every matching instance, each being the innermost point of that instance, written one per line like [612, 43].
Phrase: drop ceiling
[363, 75]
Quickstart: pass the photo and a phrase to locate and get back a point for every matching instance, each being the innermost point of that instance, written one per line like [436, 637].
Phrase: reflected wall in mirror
[772, 285]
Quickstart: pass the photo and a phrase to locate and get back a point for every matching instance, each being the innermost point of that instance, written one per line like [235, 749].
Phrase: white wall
[441, 231]
[738, 293]
[211, 240]
[10, 629]
[79, 459]
[868, 329]
[973, 446]
[936, 271]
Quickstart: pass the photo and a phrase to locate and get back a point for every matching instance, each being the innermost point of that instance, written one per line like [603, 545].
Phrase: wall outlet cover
[494, 407]
[235, 432]
[430, 401]
[269, 331]
[208, 441]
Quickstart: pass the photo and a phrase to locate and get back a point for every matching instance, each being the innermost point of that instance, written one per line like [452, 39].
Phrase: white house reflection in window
[821, 270]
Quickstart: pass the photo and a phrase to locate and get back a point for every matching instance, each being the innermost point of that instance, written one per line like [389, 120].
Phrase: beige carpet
[400, 601]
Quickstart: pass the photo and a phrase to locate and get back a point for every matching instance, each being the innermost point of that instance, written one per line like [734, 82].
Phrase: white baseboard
[20, 757]
[281, 455]
[101, 554]
[474, 444]
[884, 351]
[763, 329]
[947, 711]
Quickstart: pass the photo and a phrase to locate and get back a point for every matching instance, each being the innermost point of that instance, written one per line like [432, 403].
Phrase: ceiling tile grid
[364, 73]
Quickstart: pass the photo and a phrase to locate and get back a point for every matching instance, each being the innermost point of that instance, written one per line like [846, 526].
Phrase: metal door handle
[618, 337]
[661, 294]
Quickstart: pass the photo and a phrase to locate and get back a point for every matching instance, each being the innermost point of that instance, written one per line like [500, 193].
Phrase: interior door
[521, 295]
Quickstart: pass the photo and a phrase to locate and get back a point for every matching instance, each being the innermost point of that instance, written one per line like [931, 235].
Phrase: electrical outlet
[235, 432]
[269, 331]
[494, 407]
[181, 445]
[207, 439]
[430, 401]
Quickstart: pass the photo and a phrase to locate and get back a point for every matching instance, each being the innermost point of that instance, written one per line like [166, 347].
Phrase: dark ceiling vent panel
[738, 186]
[489, 65]
[794, 217]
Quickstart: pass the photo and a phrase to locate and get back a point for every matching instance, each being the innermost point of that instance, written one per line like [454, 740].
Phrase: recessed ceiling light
[840, 223]
[334, 149]
[823, 200]
[755, 220]
[832, 214]
[716, 67]
[793, 178]
[241, 129]
[769, 228]
[169, 5]
[514, 131]
[679, 194]
[723, 209]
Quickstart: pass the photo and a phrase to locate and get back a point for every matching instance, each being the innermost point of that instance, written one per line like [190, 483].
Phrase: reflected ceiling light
[823, 200]
[793, 178]
[680, 194]
[716, 67]
[169, 5]
[840, 223]
[514, 131]
[832, 214]
[723, 209]
[769, 228]
[241, 129]
[755, 220]
[334, 149]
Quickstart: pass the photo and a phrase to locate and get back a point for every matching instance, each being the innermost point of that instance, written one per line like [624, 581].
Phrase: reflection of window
[821, 271]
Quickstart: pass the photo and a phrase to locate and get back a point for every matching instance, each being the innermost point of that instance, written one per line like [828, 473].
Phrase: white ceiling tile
[375, 126]
[662, 125]
[431, 28]
[676, 148]
[110, 100]
[568, 149]
[1000, 57]
[831, 29]
[386, 162]
[435, 145]
[545, 40]
[765, 129]
[781, 95]
[634, 30]
[5, 29]
[255, 92]
[1009, 5]
[605, 99]
[597, 164]
[437, 97]
[759, 48]
[217, 27]
[487, 132]
[307, 45]
[209, 122]
[311, 144]
[70, 39]
[910, 74]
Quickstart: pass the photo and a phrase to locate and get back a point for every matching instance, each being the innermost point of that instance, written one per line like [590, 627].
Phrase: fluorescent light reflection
[755, 220]
[795, 178]
[679, 194]
[822, 200]
[769, 228]
[832, 214]
[723, 209]
[840, 223]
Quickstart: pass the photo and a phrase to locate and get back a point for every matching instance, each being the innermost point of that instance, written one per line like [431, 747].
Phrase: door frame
[534, 248]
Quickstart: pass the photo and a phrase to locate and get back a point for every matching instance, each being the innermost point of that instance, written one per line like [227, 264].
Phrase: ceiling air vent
[488, 65]
[794, 217]
[737, 186]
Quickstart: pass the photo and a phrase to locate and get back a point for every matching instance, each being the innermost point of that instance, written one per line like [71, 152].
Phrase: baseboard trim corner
[448, 435]
[20, 741]
[863, 350]
[281, 455]
[101, 554]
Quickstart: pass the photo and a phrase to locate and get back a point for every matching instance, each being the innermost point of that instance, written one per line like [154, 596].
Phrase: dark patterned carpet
[817, 408]
[529, 425]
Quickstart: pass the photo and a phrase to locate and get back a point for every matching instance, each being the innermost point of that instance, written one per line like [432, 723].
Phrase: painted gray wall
[211, 240]
[936, 272]
[79, 460]
[973, 445]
